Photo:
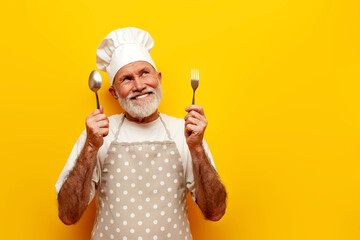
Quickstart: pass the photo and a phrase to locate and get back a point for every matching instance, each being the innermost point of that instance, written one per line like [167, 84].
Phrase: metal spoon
[95, 84]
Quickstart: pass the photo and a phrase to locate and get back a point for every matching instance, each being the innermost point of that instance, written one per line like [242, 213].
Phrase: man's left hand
[195, 125]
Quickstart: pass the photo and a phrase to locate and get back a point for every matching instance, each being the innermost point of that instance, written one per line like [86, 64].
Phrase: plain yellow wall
[279, 82]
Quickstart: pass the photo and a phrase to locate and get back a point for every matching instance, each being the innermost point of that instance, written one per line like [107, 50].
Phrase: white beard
[144, 108]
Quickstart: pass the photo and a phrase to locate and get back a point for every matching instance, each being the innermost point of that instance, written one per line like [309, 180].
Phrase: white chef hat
[121, 47]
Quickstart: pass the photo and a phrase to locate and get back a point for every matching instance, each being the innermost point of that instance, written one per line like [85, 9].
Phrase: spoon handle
[97, 101]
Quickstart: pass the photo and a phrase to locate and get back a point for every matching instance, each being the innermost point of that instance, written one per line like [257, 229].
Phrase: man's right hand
[97, 127]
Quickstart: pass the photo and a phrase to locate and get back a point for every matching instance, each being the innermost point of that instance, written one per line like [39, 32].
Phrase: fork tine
[194, 82]
[195, 74]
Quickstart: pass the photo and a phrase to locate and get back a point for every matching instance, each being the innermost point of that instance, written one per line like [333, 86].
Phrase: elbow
[66, 219]
[68, 214]
[219, 209]
[217, 214]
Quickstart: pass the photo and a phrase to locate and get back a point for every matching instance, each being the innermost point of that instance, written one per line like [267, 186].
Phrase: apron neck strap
[166, 129]
[124, 116]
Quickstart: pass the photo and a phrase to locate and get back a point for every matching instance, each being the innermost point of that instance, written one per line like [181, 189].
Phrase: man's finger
[192, 120]
[196, 108]
[96, 118]
[99, 117]
[103, 124]
[190, 127]
[95, 112]
[104, 132]
[195, 114]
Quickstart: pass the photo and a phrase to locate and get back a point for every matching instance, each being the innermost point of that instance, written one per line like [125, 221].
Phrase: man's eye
[144, 73]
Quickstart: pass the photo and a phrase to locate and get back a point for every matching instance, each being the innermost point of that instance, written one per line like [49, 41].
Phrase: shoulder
[173, 121]
[114, 120]
[176, 128]
[175, 125]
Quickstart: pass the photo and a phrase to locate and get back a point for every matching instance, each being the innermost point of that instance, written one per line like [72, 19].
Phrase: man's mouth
[141, 96]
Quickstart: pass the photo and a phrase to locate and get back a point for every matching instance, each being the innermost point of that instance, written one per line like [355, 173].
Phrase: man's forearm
[210, 192]
[74, 194]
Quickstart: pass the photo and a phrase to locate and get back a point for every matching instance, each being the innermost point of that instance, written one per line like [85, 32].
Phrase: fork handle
[193, 101]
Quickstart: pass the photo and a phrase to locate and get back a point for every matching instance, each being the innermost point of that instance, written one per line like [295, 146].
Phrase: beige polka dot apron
[142, 192]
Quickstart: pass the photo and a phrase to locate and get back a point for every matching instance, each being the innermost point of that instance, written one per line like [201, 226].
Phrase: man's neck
[148, 119]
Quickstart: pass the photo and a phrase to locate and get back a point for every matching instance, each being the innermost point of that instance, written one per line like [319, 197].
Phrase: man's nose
[138, 85]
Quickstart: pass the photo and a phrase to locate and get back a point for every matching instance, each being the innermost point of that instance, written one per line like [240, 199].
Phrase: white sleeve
[71, 163]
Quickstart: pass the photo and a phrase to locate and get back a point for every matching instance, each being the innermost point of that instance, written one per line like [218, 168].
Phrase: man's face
[137, 88]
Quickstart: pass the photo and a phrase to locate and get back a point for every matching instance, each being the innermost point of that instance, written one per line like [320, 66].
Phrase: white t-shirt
[134, 132]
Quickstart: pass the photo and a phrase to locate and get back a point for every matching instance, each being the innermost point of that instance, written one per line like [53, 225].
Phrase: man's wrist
[90, 148]
[196, 149]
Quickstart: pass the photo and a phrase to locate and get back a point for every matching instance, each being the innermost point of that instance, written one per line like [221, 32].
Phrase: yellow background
[279, 82]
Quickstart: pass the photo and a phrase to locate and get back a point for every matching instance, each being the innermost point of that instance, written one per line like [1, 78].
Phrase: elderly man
[141, 162]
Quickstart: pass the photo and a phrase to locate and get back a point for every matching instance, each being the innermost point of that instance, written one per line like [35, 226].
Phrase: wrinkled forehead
[134, 67]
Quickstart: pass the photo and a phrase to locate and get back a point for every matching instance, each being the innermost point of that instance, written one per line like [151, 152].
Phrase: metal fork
[194, 82]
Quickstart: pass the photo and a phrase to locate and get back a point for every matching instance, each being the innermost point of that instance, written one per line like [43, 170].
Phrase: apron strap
[166, 129]
[120, 124]
[161, 119]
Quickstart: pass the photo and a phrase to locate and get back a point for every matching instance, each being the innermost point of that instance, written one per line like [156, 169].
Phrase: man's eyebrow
[127, 75]
[146, 68]
[124, 76]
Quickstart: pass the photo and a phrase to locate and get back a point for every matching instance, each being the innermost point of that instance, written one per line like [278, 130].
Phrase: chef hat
[121, 47]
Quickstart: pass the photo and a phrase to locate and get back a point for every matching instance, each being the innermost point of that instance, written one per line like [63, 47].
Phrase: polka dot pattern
[142, 193]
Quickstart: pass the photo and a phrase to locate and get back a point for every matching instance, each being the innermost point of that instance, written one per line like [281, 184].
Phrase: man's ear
[159, 76]
[112, 92]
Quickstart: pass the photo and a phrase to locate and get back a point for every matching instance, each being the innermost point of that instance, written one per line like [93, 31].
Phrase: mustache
[144, 91]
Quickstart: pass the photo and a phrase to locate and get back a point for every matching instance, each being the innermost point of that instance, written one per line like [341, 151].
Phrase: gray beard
[141, 109]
